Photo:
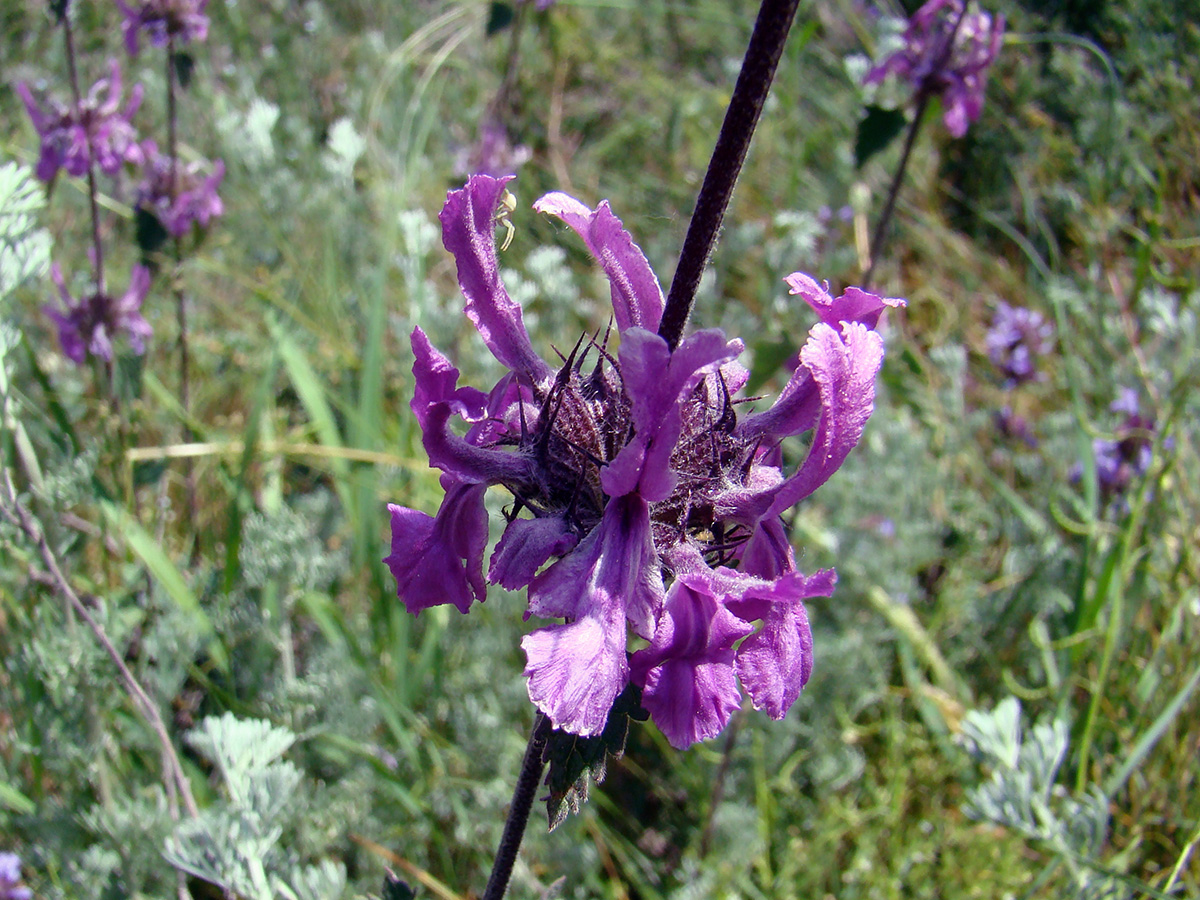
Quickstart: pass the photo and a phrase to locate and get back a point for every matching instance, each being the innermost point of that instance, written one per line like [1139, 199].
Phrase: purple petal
[436, 381]
[576, 670]
[525, 547]
[469, 233]
[768, 553]
[436, 397]
[844, 368]
[775, 662]
[854, 305]
[658, 382]
[440, 560]
[614, 566]
[690, 689]
[637, 297]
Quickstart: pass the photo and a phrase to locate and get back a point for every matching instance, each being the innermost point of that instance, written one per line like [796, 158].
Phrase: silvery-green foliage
[1022, 792]
[234, 843]
[24, 246]
[248, 132]
[343, 149]
[284, 548]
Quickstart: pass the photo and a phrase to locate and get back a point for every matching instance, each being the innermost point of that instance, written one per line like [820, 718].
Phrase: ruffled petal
[576, 671]
[687, 675]
[469, 233]
[844, 368]
[436, 397]
[614, 567]
[854, 305]
[775, 662]
[525, 547]
[440, 560]
[637, 297]
[658, 381]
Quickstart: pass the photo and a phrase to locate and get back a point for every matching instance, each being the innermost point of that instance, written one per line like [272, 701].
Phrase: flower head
[645, 501]
[947, 53]
[99, 130]
[181, 198]
[1015, 340]
[1128, 456]
[164, 21]
[10, 879]
[493, 153]
[89, 325]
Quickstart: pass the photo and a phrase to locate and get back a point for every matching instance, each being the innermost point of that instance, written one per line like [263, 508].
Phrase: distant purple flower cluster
[644, 499]
[163, 21]
[947, 53]
[1119, 461]
[494, 153]
[1015, 340]
[190, 199]
[99, 130]
[10, 879]
[89, 325]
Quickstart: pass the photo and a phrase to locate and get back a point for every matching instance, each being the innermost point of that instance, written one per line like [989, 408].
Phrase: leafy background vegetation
[328, 735]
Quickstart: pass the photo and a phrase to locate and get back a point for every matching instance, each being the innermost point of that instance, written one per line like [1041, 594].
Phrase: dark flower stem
[176, 287]
[749, 95]
[500, 109]
[77, 98]
[532, 767]
[875, 250]
[925, 93]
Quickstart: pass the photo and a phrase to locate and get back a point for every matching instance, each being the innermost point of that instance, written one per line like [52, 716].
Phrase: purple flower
[947, 53]
[1016, 338]
[1128, 456]
[192, 199]
[494, 153]
[10, 879]
[643, 500]
[164, 21]
[99, 130]
[89, 325]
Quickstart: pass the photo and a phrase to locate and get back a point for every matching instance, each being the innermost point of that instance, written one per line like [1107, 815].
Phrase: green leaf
[167, 574]
[11, 798]
[573, 759]
[875, 131]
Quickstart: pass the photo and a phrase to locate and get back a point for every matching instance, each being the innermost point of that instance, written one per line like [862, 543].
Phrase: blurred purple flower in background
[1016, 427]
[99, 124]
[1016, 338]
[493, 154]
[1121, 459]
[194, 199]
[947, 53]
[10, 879]
[163, 20]
[643, 500]
[89, 325]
